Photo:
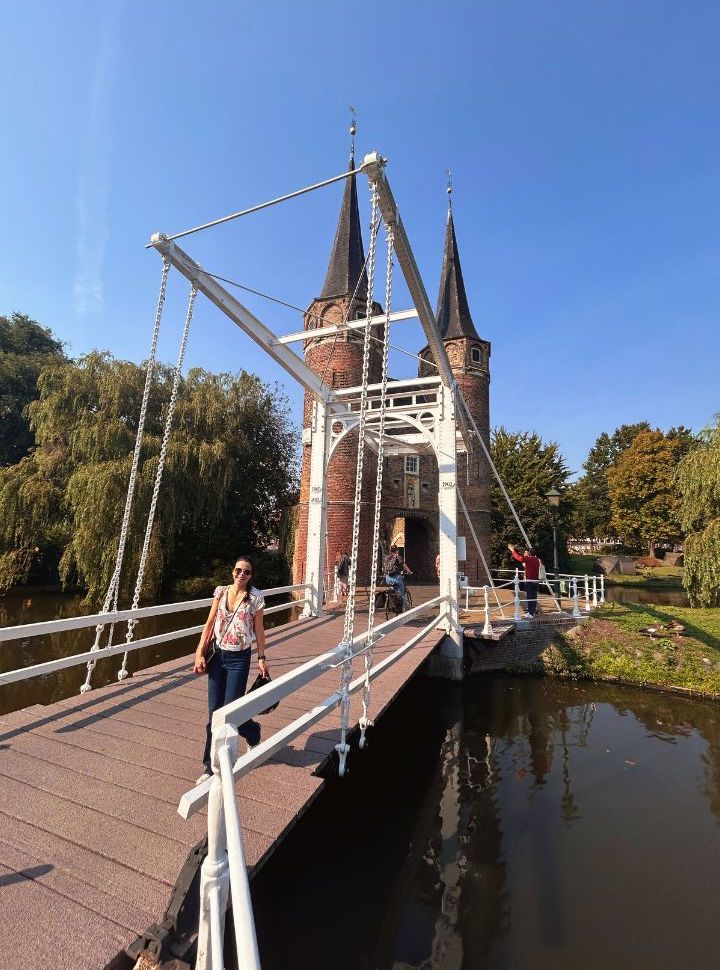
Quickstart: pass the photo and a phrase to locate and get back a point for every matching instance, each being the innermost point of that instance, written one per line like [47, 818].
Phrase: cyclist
[395, 570]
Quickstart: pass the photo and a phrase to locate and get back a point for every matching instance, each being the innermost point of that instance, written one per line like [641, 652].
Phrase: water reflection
[639, 594]
[557, 825]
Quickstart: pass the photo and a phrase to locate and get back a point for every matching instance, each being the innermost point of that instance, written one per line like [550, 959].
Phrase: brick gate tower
[469, 357]
[338, 361]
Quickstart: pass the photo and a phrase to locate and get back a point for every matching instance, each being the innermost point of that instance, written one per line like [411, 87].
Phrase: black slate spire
[347, 259]
[453, 312]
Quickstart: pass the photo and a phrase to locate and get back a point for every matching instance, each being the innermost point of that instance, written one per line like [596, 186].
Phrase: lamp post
[553, 500]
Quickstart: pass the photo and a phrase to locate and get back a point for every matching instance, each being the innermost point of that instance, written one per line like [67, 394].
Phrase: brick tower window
[475, 355]
[411, 464]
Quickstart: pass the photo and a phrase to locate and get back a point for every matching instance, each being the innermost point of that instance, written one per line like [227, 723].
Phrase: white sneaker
[203, 777]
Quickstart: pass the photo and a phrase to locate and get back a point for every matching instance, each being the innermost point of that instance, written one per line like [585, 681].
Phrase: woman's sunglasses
[244, 572]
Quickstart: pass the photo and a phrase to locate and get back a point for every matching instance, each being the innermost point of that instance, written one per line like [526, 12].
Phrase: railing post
[214, 877]
[516, 583]
[595, 593]
[576, 599]
[602, 588]
[317, 510]
[587, 594]
[452, 647]
[487, 628]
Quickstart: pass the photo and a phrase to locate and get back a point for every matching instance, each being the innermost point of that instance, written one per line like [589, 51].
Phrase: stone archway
[420, 551]
[415, 535]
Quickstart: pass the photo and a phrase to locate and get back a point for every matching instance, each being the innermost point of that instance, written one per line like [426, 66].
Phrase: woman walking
[236, 624]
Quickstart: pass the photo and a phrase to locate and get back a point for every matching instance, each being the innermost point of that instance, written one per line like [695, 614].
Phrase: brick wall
[520, 647]
[339, 362]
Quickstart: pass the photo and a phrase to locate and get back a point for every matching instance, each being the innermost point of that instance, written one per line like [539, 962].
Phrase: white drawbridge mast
[433, 423]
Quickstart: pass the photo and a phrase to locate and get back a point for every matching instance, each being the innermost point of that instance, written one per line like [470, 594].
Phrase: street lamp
[553, 500]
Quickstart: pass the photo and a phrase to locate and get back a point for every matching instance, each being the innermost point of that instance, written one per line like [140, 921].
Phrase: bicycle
[392, 603]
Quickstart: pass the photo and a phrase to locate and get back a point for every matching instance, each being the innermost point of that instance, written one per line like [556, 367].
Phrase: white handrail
[238, 712]
[93, 619]
[74, 623]
[224, 870]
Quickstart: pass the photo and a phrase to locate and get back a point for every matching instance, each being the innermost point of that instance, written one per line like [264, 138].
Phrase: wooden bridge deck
[90, 841]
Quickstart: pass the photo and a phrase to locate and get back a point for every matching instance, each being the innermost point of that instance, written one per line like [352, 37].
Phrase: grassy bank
[610, 646]
[662, 577]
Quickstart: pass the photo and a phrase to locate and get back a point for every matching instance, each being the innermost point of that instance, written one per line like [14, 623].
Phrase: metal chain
[122, 673]
[364, 720]
[349, 626]
[114, 587]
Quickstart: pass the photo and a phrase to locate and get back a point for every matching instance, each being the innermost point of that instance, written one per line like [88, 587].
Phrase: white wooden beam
[242, 317]
[373, 166]
[332, 329]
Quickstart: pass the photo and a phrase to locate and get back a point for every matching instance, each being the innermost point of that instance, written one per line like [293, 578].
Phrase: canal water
[509, 823]
[639, 594]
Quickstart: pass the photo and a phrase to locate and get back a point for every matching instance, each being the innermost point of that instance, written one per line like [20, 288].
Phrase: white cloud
[94, 181]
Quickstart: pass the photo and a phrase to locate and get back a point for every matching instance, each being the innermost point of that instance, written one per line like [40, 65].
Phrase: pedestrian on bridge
[532, 574]
[233, 627]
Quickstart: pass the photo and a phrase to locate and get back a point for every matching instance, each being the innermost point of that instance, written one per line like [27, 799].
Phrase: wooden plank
[89, 788]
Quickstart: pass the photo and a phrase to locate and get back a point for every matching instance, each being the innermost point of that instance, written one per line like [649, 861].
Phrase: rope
[122, 673]
[349, 625]
[500, 482]
[114, 587]
[364, 720]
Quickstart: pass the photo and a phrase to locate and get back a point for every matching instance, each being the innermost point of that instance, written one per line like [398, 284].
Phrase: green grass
[662, 577]
[610, 646]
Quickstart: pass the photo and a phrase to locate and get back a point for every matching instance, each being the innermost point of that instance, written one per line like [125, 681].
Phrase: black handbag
[260, 681]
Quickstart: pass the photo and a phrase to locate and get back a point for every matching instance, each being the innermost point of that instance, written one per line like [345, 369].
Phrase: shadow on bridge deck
[91, 844]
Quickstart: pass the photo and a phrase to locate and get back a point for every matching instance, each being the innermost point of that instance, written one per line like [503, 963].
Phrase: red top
[531, 564]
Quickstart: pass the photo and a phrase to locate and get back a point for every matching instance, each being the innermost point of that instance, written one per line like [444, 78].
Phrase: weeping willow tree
[698, 478]
[230, 469]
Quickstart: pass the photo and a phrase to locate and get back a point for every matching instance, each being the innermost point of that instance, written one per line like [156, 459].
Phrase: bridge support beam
[452, 647]
[317, 509]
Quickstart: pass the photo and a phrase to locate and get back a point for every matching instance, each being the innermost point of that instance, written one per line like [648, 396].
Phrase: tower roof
[347, 259]
[453, 312]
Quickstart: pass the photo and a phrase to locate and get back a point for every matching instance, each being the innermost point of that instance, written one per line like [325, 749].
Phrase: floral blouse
[240, 634]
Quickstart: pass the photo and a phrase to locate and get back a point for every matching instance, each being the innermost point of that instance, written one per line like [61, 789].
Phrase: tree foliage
[529, 468]
[592, 511]
[643, 494]
[698, 479]
[25, 348]
[230, 469]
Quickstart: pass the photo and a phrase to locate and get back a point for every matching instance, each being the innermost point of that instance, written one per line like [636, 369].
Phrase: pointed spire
[453, 312]
[347, 258]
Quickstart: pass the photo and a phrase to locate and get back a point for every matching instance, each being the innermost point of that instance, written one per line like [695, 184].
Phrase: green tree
[529, 468]
[644, 496]
[230, 469]
[25, 348]
[698, 478]
[592, 511]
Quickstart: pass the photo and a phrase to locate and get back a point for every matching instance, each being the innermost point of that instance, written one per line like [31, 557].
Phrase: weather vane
[353, 127]
[449, 187]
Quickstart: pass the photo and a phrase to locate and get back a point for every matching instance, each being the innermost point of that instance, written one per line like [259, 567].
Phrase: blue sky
[583, 137]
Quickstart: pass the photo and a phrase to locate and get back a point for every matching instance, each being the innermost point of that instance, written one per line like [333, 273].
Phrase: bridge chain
[365, 722]
[122, 673]
[349, 626]
[111, 597]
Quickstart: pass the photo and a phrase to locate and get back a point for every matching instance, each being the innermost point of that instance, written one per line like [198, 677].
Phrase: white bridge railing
[224, 871]
[101, 620]
[553, 589]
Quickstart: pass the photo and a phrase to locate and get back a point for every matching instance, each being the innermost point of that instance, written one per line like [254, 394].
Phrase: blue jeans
[398, 584]
[227, 681]
[531, 590]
